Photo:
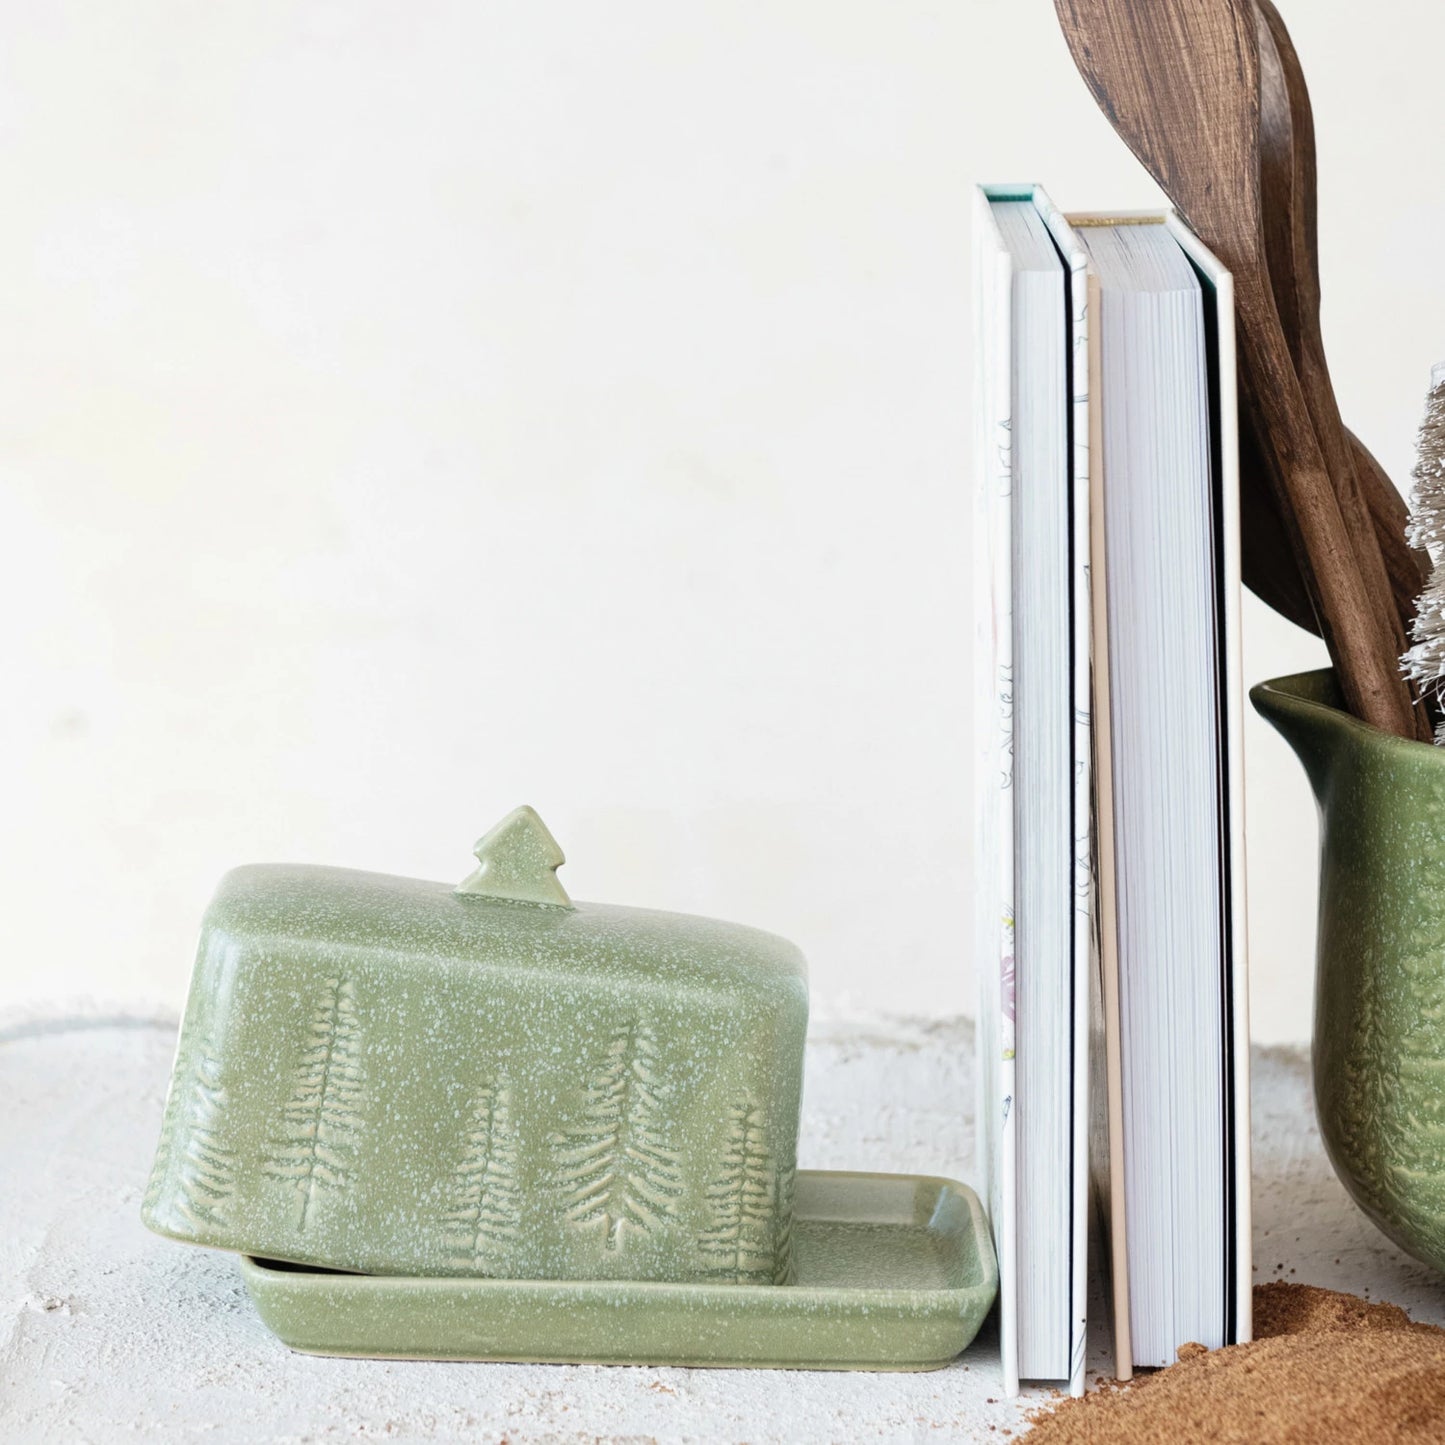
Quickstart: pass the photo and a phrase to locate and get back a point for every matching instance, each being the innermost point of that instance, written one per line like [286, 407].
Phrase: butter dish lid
[386, 1075]
[512, 908]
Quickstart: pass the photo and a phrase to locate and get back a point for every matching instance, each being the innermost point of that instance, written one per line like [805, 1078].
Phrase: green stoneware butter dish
[892, 1272]
[395, 1077]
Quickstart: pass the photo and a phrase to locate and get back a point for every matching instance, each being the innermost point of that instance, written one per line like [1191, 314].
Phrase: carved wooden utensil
[1267, 558]
[1289, 204]
[1266, 553]
[1179, 79]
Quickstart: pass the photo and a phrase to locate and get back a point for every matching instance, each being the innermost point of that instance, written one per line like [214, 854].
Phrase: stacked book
[1110, 889]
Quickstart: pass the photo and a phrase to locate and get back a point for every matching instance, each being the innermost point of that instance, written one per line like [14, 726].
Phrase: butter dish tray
[892, 1272]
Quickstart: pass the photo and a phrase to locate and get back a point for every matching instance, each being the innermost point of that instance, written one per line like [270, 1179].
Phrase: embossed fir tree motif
[1370, 1134]
[616, 1168]
[205, 1167]
[322, 1119]
[1418, 1161]
[159, 1175]
[1391, 1114]
[785, 1269]
[1422, 1075]
[743, 1200]
[170, 1122]
[485, 1204]
[1364, 1094]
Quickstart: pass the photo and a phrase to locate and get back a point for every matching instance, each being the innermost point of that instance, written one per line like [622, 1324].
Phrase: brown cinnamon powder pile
[1323, 1366]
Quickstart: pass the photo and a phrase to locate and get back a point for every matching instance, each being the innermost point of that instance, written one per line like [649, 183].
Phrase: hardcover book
[1110, 879]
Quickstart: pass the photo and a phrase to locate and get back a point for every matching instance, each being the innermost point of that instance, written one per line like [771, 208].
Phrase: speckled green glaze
[385, 1075]
[1379, 1031]
[893, 1273]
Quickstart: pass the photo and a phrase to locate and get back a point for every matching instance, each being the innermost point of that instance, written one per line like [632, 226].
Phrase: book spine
[993, 672]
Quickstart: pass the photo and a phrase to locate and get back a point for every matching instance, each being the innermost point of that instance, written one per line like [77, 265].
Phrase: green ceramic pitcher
[1379, 1026]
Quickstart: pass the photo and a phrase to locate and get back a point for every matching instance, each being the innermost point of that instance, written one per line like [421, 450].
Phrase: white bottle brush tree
[1424, 663]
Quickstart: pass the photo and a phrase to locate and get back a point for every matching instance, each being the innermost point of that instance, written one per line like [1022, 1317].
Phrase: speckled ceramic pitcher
[1379, 1030]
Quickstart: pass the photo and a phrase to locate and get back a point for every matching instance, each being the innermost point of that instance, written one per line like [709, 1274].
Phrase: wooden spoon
[1179, 79]
[1266, 553]
[1289, 204]
[1267, 560]
[1266, 557]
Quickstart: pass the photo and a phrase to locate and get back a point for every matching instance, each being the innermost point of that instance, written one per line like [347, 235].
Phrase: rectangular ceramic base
[894, 1272]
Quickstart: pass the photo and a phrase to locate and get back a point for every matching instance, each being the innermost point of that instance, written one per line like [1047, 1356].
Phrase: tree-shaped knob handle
[518, 862]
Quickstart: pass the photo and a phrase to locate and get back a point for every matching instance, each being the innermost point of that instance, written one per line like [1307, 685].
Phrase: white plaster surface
[412, 410]
[108, 1333]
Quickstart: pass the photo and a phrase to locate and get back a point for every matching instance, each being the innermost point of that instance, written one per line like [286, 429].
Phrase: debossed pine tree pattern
[742, 1201]
[205, 1168]
[322, 1121]
[616, 1167]
[785, 1269]
[160, 1168]
[1391, 1088]
[165, 1149]
[1417, 1165]
[1422, 1081]
[1369, 1132]
[484, 1214]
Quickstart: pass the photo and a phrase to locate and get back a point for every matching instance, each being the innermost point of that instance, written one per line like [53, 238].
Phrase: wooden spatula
[1179, 79]
[1289, 204]
[1267, 560]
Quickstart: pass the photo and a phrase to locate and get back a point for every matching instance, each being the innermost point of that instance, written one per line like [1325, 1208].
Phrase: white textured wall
[409, 410]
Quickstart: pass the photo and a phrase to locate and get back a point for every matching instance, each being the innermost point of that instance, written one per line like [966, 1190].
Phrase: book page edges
[1112, 1190]
[1231, 650]
[1238, 1023]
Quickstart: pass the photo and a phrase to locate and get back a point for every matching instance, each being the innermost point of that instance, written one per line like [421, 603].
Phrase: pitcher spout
[1308, 712]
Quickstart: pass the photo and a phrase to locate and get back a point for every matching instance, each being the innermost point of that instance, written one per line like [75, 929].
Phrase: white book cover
[994, 730]
[993, 736]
